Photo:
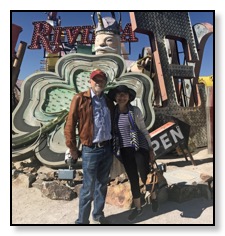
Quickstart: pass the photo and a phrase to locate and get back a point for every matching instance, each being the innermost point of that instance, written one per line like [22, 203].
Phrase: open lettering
[167, 140]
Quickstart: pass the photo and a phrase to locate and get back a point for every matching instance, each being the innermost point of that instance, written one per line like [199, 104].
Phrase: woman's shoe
[134, 214]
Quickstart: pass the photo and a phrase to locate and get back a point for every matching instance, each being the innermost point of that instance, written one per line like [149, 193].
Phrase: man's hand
[74, 154]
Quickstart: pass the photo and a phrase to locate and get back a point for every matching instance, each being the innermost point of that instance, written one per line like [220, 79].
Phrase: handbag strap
[154, 181]
[154, 166]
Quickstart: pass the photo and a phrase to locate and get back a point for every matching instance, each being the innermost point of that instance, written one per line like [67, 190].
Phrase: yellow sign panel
[51, 60]
[207, 80]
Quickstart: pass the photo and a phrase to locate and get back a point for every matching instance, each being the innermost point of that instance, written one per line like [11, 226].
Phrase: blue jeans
[96, 164]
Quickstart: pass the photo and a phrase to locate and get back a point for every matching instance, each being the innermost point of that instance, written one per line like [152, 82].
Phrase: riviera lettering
[52, 38]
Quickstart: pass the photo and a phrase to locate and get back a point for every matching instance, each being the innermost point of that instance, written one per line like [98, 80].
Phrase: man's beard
[98, 90]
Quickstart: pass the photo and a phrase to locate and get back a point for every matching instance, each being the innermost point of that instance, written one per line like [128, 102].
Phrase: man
[92, 111]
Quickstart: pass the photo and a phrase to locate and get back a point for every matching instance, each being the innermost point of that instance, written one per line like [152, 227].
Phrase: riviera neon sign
[51, 37]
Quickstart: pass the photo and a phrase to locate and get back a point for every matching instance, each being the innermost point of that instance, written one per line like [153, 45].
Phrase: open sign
[166, 138]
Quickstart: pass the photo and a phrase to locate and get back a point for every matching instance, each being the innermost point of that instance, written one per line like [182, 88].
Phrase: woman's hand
[151, 155]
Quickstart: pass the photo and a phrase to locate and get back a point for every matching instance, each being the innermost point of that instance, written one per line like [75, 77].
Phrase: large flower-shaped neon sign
[39, 118]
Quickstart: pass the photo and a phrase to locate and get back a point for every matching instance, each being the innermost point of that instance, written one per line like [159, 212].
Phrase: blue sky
[32, 58]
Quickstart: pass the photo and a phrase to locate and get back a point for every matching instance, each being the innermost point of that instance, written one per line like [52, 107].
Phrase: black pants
[134, 163]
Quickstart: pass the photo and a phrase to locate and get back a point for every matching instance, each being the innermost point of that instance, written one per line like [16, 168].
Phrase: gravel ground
[30, 207]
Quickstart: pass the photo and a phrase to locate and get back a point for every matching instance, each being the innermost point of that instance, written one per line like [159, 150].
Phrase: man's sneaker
[102, 221]
[134, 214]
[155, 205]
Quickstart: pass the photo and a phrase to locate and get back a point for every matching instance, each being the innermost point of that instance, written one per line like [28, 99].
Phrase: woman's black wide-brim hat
[121, 89]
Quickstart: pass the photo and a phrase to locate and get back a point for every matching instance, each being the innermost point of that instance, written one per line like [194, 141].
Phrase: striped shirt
[124, 133]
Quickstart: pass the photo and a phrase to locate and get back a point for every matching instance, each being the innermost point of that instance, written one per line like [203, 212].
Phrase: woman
[131, 143]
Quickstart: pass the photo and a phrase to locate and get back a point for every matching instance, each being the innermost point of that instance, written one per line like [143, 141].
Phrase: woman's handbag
[155, 182]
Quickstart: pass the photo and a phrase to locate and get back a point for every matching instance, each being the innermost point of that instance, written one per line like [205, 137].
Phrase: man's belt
[101, 144]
